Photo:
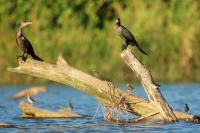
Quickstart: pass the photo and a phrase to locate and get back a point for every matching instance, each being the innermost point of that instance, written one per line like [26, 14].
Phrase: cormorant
[130, 88]
[186, 108]
[24, 43]
[30, 99]
[127, 36]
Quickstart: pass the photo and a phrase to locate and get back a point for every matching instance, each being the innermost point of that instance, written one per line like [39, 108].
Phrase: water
[57, 97]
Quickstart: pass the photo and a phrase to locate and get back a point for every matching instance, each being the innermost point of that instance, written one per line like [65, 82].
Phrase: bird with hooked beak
[127, 36]
[24, 43]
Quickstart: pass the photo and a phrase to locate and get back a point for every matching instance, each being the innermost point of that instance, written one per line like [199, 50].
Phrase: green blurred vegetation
[83, 31]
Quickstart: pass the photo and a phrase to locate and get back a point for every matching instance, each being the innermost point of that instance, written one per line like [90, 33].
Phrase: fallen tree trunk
[151, 88]
[103, 91]
[30, 111]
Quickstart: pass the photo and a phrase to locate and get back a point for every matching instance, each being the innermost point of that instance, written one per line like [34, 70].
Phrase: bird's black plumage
[186, 108]
[127, 36]
[70, 105]
[24, 43]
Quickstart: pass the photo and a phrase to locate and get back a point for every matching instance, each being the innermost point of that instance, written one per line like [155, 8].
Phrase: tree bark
[30, 111]
[32, 91]
[105, 92]
[152, 90]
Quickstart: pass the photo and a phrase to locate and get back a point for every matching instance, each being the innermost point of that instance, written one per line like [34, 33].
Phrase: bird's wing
[32, 99]
[128, 35]
[26, 41]
[27, 44]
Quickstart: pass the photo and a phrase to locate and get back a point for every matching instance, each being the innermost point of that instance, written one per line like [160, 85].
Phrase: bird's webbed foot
[124, 46]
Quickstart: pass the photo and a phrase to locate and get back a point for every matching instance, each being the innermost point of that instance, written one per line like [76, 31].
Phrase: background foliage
[83, 31]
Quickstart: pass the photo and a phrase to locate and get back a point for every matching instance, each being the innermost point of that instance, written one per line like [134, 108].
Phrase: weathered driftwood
[5, 125]
[103, 91]
[152, 90]
[32, 91]
[30, 111]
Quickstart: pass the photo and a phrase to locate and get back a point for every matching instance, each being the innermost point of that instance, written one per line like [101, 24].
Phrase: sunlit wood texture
[32, 91]
[151, 89]
[5, 125]
[30, 111]
[103, 91]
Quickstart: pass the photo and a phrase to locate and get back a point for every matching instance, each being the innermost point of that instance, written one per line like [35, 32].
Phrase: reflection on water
[58, 96]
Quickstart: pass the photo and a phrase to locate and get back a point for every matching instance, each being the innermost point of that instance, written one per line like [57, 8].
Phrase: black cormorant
[24, 43]
[127, 36]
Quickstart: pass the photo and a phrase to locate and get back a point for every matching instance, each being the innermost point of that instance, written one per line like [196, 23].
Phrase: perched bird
[30, 99]
[186, 108]
[130, 89]
[24, 43]
[95, 73]
[155, 83]
[70, 106]
[127, 36]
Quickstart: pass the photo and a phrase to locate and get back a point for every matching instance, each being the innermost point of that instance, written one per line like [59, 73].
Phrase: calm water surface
[57, 97]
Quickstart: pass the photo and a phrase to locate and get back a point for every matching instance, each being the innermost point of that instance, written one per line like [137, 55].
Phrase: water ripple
[58, 96]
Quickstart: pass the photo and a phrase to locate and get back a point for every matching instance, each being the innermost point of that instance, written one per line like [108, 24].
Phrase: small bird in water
[70, 106]
[24, 43]
[186, 108]
[127, 36]
[30, 99]
[130, 88]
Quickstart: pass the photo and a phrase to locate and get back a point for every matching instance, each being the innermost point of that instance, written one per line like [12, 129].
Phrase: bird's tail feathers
[35, 57]
[141, 50]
